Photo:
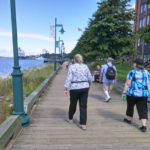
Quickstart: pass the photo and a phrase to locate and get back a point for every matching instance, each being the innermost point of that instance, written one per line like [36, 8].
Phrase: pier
[106, 130]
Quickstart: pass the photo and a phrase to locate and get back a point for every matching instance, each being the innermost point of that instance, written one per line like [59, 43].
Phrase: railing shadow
[58, 113]
[115, 116]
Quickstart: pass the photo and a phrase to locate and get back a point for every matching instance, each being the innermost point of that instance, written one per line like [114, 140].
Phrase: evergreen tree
[109, 32]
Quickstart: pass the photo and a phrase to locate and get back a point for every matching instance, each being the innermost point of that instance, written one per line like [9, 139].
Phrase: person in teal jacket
[136, 90]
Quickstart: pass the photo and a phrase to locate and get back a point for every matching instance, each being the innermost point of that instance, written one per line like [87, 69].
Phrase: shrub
[32, 78]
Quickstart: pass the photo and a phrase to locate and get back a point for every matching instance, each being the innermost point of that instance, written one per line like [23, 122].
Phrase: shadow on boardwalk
[105, 129]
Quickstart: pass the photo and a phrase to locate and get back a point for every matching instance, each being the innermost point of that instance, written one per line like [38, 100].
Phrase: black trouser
[81, 95]
[141, 105]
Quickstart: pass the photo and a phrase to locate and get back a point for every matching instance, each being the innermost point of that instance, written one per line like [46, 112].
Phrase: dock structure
[106, 130]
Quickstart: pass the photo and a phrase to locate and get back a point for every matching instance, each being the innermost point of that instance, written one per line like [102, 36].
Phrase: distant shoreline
[5, 76]
[5, 57]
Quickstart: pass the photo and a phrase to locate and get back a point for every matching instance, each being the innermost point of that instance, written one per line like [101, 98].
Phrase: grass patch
[122, 71]
[32, 78]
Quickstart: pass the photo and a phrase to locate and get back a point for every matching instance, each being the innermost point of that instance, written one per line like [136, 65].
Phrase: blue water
[6, 64]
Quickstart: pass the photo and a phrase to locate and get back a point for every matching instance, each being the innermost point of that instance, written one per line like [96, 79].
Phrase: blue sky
[34, 18]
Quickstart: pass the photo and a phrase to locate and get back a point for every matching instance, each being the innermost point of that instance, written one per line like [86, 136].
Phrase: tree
[148, 1]
[144, 34]
[109, 31]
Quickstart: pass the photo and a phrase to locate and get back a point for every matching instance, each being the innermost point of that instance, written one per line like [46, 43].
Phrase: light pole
[60, 47]
[62, 31]
[63, 51]
[17, 74]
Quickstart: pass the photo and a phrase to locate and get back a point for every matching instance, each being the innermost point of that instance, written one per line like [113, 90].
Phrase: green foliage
[144, 34]
[5, 110]
[93, 55]
[4, 86]
[148, 1]
[122, 71]
[95, 63]
[109, 32]
[32, 78]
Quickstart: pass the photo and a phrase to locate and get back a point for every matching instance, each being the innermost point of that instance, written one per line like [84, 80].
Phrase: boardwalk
[105, 129]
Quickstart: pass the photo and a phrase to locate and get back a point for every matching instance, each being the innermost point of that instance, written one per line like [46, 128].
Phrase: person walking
[109, 74]
[77, 83]
[97, 74]
[136, 90]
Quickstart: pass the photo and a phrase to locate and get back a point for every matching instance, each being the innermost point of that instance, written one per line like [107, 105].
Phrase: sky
[34, 19]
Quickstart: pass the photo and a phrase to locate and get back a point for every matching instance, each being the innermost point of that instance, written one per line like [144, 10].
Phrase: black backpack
[110, 73]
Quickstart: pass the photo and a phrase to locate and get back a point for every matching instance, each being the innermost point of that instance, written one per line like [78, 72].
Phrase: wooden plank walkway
[105, 129]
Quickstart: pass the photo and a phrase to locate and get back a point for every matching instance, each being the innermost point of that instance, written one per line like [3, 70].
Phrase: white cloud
[26, 35]
[34, 36]
[31, 43]
[6, 52]
[5, 34]
[69, 45]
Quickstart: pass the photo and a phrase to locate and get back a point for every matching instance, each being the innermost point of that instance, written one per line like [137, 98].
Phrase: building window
[143, 8]
[148, 20]
[142, 21]
[139, 42]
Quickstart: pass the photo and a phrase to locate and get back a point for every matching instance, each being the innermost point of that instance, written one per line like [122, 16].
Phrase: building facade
[142, 20]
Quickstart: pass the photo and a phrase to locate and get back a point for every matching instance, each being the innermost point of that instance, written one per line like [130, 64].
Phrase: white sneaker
[83, 127]
[70, 121]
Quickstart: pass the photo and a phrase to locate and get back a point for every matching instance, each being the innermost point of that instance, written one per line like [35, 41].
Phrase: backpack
[110, 73]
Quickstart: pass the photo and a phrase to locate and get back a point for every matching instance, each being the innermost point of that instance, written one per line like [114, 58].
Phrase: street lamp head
[62, 30]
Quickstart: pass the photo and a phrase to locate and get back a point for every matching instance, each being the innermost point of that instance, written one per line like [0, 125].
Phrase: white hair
[78, 58]
[110, 59]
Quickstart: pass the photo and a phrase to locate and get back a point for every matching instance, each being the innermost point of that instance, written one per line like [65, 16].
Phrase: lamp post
[60, 47]
[17, 74]
[63, 51]
[62, 31]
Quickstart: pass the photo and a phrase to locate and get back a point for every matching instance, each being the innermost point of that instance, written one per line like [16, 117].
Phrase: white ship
[39, 58]
[21, 53]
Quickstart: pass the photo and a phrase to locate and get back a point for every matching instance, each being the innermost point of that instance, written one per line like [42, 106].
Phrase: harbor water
[6, 65]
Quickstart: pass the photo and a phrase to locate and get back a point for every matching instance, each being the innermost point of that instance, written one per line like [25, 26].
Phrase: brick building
[142, 20]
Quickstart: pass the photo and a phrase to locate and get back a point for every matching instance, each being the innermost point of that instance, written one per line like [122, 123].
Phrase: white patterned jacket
[78, 77]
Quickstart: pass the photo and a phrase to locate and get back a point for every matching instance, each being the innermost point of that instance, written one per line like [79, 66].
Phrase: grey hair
[78, 58]
[110, 59]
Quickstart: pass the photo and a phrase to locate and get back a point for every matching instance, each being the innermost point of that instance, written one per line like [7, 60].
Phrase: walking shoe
[127, 120]
[107, 100]
[83, 127]
[70, 121]
[143, 128]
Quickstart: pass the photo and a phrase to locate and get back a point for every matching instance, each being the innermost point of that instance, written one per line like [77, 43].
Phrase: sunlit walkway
[105, 129]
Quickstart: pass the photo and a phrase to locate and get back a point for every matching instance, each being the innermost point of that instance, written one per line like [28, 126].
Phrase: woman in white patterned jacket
[77, 84]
